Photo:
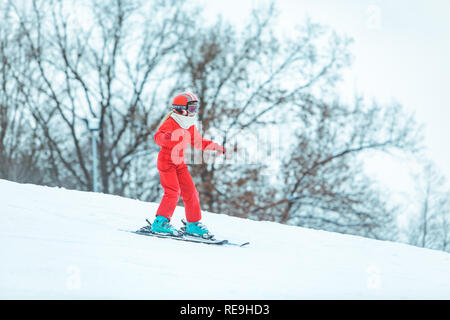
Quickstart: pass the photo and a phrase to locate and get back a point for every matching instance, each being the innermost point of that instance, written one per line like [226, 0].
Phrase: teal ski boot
[161, 225]
[197, 229]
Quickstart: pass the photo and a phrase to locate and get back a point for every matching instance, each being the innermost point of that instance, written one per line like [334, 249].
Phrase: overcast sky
[401, 53]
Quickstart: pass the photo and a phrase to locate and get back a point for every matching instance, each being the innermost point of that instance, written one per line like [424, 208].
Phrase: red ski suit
[175, 177]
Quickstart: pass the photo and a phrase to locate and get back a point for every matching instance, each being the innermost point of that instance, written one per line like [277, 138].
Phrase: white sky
[401, 53]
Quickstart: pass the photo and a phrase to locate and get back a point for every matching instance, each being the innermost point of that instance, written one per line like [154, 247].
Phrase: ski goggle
[192, 107]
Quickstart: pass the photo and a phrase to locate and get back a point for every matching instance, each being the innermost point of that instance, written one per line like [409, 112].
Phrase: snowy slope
[62, 244]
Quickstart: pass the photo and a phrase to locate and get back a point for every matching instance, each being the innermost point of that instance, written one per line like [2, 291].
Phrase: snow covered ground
[63, 244]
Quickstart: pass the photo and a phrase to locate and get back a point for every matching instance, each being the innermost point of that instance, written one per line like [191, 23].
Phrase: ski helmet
[185, 103]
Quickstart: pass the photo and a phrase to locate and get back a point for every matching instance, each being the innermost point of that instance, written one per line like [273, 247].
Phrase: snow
[64, 244]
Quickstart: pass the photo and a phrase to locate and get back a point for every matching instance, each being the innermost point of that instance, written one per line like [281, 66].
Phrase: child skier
[176, 131]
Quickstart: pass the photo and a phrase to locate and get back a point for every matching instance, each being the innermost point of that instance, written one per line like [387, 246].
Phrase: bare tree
[20, 146]
[430, 229]
[246, 81]
[325, 184]
[255, 80]
[112, 68]
[443, 223]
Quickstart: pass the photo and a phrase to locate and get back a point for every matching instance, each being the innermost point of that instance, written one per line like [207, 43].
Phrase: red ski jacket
[174, 140]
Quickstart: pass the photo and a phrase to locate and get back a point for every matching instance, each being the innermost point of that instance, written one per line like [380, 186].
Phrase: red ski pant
[176, 181]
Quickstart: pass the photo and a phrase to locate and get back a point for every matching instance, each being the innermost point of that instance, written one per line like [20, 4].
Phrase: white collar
[184, 121]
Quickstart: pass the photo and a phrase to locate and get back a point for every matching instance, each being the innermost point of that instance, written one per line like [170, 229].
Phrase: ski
[183, 229]
[146, 231]
[181, 238]
[215, 241]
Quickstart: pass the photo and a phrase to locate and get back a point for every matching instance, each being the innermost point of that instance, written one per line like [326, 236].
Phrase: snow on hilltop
[62, 244]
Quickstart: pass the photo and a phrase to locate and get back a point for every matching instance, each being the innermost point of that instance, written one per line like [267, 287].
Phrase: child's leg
[169, 182]
[189, 194]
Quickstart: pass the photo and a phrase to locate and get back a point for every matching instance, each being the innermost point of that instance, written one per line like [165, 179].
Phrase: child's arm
[163, 137]
[198, 142]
